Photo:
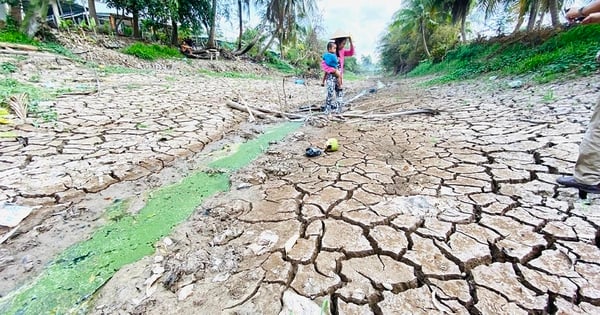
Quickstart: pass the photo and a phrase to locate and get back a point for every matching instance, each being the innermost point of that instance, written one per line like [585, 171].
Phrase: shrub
[151, 52]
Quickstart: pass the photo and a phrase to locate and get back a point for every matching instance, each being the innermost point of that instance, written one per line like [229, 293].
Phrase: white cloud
[366, 20]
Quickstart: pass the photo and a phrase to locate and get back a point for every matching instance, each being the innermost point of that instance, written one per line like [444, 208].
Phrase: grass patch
[9, 87]
[564, 54]
[152, 52]
[10, 34]
[280, 65]
[230, 74]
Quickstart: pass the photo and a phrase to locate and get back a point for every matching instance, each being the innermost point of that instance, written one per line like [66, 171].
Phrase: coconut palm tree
[242, 4]
[283, 15]
[460, 9]
[418, 17]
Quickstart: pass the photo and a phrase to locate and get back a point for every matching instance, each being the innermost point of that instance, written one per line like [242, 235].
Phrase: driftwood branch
[391, 115]
[14, 52]
[4, 45]
[262, 112]
[246, 108]
[9, 234]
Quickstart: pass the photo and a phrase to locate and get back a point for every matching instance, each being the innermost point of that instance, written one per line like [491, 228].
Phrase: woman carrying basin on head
[335, 93]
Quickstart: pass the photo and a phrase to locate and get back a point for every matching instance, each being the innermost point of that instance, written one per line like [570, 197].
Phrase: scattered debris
[298, 305]
[11, 215]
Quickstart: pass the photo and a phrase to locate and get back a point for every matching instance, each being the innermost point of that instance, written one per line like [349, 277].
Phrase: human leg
[586, 176]
[587, 167]
[330, 83]
[339, 100]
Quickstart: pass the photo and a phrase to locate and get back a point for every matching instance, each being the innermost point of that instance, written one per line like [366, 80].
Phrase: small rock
[515, 84]
[185, 292]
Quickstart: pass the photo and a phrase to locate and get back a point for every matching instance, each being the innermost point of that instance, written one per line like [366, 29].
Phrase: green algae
[248, 151]
[71, 279]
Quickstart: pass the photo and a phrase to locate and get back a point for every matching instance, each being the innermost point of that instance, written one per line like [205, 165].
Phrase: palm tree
[213, 20]
[460, 9]
[283, 16]
[242, 4]
[417, 18]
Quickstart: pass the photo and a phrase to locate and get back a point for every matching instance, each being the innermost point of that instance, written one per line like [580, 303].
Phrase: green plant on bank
[549, 96]
[43, 113]
[9, 87]
[152, 52]
[7, 67]
[229, 74]
[568, 53]
[12, 35]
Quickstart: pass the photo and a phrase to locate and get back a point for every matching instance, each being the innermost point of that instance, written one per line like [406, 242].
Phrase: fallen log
[392, 115]
[277, 113]
[5, 45]
[14, 52]
[243, 108]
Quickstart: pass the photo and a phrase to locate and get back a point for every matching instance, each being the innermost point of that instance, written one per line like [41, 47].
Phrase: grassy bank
[541, 57]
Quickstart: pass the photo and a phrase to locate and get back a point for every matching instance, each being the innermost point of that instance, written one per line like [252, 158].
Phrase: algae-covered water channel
[75, 275]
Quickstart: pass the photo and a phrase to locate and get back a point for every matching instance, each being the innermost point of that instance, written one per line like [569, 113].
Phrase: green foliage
[45, 114]
[7, 67]
[151, 52]
[350, 64]
[9, 87]
[12, 35]
[229, 74]
[565, 53]
[274, 62]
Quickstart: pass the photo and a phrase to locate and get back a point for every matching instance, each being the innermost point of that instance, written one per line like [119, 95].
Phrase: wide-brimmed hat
[340, 34]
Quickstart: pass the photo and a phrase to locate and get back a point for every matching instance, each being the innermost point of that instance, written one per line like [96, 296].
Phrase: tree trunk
[213, 26]
[251, 44]
[136, 24]
[15, 13]
[93, 15]
[554, 14]
[519, 24]
[174, 32]
[463, 32]
[55, 13]
[425, 40]
[261, 52]
[533, 11]
[36, 13]
[239, 43]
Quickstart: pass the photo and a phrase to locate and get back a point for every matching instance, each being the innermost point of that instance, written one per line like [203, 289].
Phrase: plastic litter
[331, 145]
[11, 215]
[312, 152]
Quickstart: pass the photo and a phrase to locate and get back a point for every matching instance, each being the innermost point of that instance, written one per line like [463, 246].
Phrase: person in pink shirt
[335, 93]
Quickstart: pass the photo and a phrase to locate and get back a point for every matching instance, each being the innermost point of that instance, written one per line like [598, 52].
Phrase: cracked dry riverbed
[457, 212]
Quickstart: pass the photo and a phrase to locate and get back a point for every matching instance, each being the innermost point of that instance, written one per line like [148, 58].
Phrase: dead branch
[14, 52]
[277, 113]
[9, 234]
[5, 45]
[243, 108]
[392, 115]
[90, 92]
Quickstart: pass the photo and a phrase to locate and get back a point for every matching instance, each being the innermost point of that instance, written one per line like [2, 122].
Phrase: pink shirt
[343, 53]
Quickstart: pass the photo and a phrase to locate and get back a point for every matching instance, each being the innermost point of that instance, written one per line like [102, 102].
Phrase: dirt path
[456, 212]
